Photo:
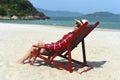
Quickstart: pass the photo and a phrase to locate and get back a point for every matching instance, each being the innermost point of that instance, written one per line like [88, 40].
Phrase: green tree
[18, 8]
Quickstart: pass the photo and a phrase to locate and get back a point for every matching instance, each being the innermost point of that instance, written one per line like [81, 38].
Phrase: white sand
[102, 47]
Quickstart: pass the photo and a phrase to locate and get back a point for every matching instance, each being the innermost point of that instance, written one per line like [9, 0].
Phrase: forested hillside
[21, 9]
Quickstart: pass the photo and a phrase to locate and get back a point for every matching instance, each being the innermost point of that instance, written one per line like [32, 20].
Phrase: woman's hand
[41, 44]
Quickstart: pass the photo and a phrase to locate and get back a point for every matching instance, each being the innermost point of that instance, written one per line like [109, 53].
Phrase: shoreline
[98, 29]
[102, 50]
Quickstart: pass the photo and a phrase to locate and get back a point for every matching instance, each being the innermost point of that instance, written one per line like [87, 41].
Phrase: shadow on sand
[95, 64]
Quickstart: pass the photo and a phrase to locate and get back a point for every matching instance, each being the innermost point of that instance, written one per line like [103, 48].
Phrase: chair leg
[32, 60]
[69, 59]
[34, 56]
[84, 53]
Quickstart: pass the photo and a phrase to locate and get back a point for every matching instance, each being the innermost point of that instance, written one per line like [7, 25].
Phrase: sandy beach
[102, 49]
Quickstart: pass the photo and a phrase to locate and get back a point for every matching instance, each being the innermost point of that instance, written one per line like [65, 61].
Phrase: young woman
[46, 48]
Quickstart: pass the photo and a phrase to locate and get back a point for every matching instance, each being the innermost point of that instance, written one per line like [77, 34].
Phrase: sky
[82, 6]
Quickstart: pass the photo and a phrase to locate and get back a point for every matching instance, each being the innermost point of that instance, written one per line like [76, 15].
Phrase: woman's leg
[26, 56]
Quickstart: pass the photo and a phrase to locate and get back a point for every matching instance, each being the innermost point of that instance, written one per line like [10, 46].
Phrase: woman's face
[76, 27]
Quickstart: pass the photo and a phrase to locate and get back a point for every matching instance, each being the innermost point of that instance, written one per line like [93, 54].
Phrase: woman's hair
[77, 25]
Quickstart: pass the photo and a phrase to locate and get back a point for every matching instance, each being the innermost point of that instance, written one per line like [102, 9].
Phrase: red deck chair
[65, 52]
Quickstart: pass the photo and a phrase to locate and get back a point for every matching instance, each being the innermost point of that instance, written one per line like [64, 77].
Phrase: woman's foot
[20, 62]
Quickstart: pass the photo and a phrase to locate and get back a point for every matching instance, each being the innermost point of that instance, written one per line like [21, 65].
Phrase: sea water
[105, 23]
